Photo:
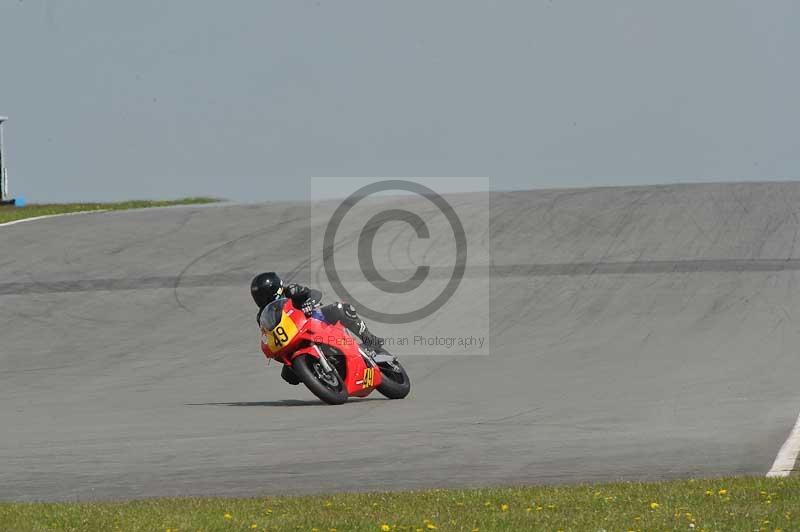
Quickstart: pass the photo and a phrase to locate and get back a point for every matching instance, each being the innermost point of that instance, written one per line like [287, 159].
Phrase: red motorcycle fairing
[301, 335]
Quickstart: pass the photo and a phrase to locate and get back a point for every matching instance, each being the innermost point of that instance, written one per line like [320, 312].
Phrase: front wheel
[328, 386]
[395, 383]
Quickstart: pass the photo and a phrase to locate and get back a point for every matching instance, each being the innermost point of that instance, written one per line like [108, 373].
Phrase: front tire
[395, 383]
[329, 387]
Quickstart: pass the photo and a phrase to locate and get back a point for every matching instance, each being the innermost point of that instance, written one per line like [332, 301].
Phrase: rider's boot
[353, 322]
[370, 340]
[367, 338]
[290, 376]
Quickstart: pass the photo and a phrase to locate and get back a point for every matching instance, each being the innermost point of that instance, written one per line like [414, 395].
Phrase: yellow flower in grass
[228, 516]
[723, 491]
[503, 507]
[654, 506]
[254, 526]
[385, 528]
[431, 526]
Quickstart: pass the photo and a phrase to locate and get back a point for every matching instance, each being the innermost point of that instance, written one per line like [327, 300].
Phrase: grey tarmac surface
[636, 333]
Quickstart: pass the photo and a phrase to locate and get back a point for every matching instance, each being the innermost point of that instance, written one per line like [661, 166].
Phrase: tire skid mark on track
[658, 267]
[179, 279]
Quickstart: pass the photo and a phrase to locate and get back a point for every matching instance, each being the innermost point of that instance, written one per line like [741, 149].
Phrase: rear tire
[328, 387]
[395, 383]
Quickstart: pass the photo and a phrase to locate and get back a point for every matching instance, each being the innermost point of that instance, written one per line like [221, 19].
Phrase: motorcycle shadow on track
[286, 402]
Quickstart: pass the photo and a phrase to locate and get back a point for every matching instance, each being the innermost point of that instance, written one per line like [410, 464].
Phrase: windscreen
[271, 316]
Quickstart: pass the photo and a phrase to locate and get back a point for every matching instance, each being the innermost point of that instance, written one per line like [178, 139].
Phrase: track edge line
[785, 461]
[34, 218]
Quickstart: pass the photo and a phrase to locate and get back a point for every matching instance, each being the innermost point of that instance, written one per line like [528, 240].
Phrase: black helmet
[265, 287]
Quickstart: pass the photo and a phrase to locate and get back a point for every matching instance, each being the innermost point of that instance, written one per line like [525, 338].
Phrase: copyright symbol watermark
[400, 251]
[366, 241]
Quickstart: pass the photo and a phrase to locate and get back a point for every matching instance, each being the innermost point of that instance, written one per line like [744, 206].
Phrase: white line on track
[22, 220]
[787, 456]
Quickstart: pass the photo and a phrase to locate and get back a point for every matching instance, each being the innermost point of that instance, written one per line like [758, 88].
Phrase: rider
[267, 287]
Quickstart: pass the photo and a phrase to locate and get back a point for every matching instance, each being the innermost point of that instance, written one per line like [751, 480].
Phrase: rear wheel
[395, 383]
[328, 386]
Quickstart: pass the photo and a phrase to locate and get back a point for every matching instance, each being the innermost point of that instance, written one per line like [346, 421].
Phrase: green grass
[9, 213]
[729, 505]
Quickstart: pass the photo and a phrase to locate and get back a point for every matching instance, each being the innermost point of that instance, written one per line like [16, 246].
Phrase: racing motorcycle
[326, 358]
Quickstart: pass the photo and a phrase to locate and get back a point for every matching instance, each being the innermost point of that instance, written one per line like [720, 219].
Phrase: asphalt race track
[637, 333]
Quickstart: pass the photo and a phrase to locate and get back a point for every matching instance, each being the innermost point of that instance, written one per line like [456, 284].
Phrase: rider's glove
[308, 306]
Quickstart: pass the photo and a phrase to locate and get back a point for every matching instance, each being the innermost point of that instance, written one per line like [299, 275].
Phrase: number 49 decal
[279, 336]
[369, 377]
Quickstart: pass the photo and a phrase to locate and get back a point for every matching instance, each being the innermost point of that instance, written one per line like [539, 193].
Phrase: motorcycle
[326, 358]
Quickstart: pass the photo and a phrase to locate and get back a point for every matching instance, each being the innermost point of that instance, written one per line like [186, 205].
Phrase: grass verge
[734, 504]
[10, 213]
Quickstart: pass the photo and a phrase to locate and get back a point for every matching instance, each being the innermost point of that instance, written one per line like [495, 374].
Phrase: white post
[3, 171]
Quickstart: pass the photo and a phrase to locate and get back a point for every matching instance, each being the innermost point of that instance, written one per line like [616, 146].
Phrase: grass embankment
[9, 213]
[729, 505]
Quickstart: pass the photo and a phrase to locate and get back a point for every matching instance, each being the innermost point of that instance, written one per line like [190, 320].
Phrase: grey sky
[246, 100]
